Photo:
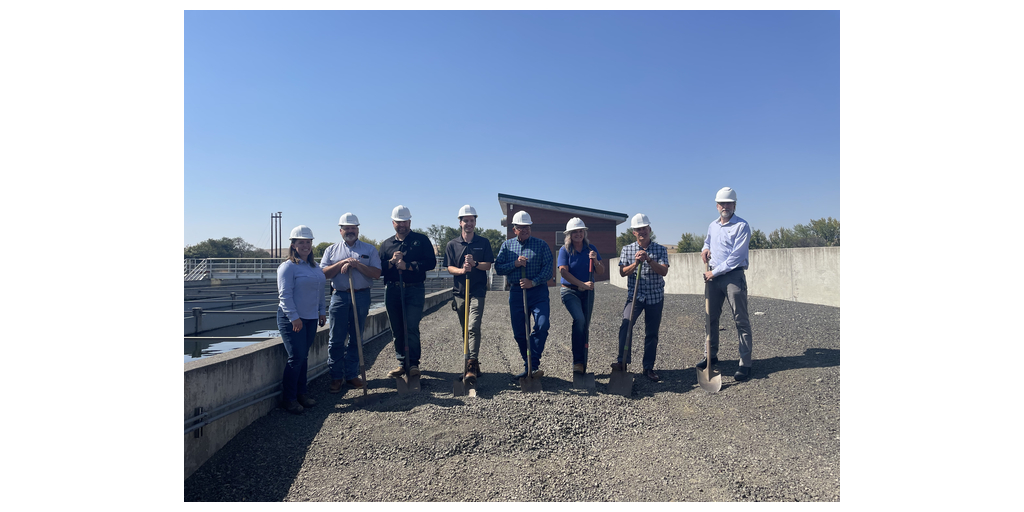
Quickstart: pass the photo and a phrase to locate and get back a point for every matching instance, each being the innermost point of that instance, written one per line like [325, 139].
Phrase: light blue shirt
[729, 244]
[300, 290]
[364, 252]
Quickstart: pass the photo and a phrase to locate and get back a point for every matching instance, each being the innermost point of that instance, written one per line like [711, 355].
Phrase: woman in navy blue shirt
[574, 261]
[302, 307]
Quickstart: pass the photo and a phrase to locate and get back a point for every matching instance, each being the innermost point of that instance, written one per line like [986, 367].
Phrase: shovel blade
[621, 383]
[583, 381]
[414, 383]
[407, 384]
[710, 380]
[530, 384]
[463, 387]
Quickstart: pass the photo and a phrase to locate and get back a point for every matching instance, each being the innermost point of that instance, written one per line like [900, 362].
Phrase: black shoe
[650, 374]
[704, 363]
[519, 375]
[743, 373]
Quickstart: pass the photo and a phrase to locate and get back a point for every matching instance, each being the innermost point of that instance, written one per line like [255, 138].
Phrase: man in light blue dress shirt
[725, 251]
[362, 261]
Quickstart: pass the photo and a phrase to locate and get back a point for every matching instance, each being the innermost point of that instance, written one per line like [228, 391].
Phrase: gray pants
[476, 315]
[731, 286]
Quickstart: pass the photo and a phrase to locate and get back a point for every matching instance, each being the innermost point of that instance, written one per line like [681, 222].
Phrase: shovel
[528, 384]
[586, 380]
[463, 387]
[709, 379]
[406, 384]
[621, 382]
[365, 398]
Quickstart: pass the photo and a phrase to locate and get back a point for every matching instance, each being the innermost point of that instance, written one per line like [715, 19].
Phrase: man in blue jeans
[650, 297]
[528, 263]
[407, 257]
[360, 260]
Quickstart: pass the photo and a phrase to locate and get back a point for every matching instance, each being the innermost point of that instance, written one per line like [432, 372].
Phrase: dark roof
[505, 199]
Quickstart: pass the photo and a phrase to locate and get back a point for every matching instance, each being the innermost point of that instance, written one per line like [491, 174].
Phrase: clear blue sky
[317, 113]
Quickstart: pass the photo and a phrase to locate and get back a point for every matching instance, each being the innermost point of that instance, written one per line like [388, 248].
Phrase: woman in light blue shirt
[302, 307]
[574, 261]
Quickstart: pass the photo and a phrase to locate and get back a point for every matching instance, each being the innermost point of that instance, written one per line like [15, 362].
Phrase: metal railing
[196, 270]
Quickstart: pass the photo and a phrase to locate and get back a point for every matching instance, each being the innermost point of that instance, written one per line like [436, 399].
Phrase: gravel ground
[772, 438]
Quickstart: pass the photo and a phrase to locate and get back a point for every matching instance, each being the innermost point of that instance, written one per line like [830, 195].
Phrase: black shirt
[455, 256]
[418, 254]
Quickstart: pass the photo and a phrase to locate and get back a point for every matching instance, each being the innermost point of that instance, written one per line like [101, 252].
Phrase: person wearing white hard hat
[726, 250]
[575, 259]
[650, 297]
[360, 260]
[528, 263]
[469, 257]
[406, 257]
[301, 309]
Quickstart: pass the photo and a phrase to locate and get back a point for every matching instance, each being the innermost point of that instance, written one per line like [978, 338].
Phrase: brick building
[549, 221]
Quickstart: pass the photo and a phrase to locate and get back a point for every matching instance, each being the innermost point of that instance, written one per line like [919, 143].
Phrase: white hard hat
[301, 233]
[639, 220]
[726, 195]
[521, 218]
[348, 219]
[574, 224]
[467, 210]
[401, 213]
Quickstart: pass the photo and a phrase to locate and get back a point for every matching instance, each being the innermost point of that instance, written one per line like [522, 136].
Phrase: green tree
[370, 241]
[318, 251]
[625, 238]
[758, 240]
[827, 230]
[690, 242]
[224, 248]
[781, 238]
[495, 237]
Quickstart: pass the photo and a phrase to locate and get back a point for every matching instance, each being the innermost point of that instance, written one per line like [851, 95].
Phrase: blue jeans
[342, 349]
[414, 298]
[297, 345]
[580, 305]
[539, 305]
[652, 321]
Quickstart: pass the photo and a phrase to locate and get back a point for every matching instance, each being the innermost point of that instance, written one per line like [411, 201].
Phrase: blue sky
[316, 113]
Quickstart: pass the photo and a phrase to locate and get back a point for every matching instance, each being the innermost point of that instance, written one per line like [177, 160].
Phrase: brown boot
[336, 385]
[470, 373]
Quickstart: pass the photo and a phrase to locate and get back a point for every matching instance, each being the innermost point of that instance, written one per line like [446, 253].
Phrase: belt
[571, 286]
[346, 291]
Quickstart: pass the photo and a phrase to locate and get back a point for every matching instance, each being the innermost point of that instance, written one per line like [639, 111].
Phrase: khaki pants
[476, 314]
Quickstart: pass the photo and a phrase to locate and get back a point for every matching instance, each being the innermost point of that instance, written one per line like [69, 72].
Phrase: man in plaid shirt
[650, 297]
[529, 264]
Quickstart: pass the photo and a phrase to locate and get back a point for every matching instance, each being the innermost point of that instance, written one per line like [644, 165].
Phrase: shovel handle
[359, 334]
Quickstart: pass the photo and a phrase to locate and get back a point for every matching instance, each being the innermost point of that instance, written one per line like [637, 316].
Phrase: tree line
[823, 232]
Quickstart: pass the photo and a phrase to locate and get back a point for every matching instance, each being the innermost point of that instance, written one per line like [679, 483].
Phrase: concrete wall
[221, 379]
[808, 275]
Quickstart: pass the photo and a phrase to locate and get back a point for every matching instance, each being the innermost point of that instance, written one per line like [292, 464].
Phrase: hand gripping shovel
[365, 398]
[464, 387]
[528, 384]
[406, 383]
[709, 379]
[621, 382]
[586, 380]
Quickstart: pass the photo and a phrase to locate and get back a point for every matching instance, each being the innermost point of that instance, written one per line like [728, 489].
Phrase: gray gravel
[772, 438]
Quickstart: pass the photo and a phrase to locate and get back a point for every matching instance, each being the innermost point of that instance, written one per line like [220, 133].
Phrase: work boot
[579, 368]
[414, 371]
[306, 401]
[356, 383]
[743, 373]
[538, 374]
[470, 370]
[519, 375]
[397, 372]
[651, 374]
[336, 385]
[293, 407]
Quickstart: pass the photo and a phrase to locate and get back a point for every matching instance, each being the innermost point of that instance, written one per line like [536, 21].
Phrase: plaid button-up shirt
[652, 285]
[539, 264]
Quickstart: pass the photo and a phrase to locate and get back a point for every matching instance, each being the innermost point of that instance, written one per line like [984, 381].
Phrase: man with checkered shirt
[650, 297]
[528, 263]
